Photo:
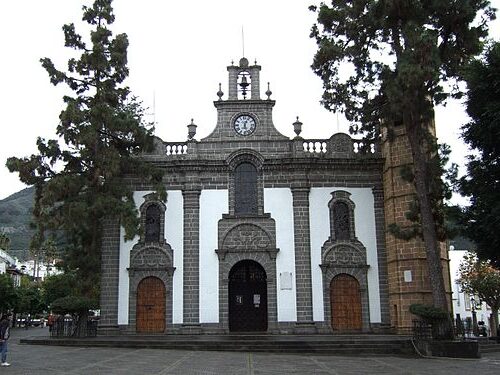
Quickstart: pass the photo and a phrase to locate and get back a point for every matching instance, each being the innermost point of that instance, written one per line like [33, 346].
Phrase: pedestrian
[4, 336]
[50, 321]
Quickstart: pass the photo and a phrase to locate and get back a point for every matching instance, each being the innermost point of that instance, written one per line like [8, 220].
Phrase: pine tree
[482, 134]
[79, 177]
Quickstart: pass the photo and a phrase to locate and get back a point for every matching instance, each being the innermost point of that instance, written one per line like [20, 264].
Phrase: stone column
[378, 199]
[255, 84]
[303, 281]
[233, 83]
[110, 268]
[191, 303]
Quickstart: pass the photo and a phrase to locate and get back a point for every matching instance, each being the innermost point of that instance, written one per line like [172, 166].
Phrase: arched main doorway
[247, 297]
[345, 302]
[150, 306]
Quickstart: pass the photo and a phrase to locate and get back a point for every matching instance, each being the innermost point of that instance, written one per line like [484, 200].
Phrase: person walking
[4, 336]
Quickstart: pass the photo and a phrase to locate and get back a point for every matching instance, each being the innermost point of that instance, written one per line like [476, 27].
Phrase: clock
[244, 125]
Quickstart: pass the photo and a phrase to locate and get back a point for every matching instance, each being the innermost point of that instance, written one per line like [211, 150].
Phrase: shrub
[72, 305]
[429, 313]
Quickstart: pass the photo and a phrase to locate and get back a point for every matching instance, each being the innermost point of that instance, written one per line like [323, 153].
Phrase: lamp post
[473, 305]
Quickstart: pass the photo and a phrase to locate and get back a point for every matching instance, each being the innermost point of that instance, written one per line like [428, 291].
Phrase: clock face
[244, 125]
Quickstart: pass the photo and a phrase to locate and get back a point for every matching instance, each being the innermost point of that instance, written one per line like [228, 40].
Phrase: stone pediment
[344, 253]
[151, 258]
[247, 238]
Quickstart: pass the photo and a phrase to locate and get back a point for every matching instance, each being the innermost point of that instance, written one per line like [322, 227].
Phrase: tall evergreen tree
[383, 63]
[482, 134]
[79, 177]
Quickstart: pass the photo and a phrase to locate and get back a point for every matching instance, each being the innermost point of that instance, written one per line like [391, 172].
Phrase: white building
[463, 302]
[37, 270]
[8, 265]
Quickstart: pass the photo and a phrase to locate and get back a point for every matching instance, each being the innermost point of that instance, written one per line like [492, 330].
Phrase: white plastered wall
[213, 203]
[364, 217]
[174, 236]
[279, 203]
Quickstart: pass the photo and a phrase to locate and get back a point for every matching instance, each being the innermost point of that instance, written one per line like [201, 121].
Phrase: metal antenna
[243, 40]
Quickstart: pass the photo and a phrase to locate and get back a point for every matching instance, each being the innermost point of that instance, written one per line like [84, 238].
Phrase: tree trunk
[433, 253]
[494, 331]
[416, 139]
[81, 324]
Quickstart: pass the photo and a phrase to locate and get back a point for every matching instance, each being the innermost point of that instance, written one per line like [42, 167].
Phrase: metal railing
[67, 327]
[423, 331]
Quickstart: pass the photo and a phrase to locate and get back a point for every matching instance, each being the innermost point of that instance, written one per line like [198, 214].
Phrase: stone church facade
[262, 233]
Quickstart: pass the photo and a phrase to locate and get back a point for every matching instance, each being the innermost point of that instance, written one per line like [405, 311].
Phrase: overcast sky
[178, 54]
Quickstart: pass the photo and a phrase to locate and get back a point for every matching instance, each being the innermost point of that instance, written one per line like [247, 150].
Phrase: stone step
[274, 344]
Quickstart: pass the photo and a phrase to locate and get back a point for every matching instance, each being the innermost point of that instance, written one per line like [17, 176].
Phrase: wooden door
[345, 302]
[151, 306]
[247, 297]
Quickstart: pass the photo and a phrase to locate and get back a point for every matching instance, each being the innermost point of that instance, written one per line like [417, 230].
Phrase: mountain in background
[15, 218]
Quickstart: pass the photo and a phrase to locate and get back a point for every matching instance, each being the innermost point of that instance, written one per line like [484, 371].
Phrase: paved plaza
[38, 359]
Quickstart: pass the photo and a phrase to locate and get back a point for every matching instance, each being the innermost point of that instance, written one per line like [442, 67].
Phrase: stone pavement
[37, 359]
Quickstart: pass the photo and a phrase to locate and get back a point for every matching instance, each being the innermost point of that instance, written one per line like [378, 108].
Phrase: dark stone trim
[303, 278]
[110, 268]
[191, 262]
[378, 197]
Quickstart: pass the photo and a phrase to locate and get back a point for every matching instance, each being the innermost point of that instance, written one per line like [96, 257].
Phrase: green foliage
[75, 305]
[58, 286]
[482, 181]
[7, 293]
[480, 278]
[29, 298]
[429, 313]
[441, 189]
[78, 177]
[387, 59]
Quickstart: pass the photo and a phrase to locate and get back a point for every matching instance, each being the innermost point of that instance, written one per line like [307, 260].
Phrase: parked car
[21, 322]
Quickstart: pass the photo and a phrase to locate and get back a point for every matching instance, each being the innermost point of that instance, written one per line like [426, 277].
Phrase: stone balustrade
[176, 148]
[339, 145]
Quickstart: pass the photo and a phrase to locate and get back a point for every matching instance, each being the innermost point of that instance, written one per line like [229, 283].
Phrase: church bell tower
[244, 116]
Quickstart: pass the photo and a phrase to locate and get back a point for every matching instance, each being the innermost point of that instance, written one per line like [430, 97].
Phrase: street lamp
[473, 306]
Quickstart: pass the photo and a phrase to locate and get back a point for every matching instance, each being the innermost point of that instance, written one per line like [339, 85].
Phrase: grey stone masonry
[191, 313]
[302, 254]
[110, 261]
[378, 195]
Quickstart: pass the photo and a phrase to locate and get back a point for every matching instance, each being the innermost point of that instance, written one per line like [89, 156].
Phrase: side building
[260, 232]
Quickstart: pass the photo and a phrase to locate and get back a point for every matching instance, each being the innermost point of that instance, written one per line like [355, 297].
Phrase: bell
[244, 83]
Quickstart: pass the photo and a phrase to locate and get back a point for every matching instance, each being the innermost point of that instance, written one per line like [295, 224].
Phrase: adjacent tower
[408, 276]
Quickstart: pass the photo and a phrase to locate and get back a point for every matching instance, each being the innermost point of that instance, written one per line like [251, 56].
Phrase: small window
[245, 189]
[341, 221]
[152, 233]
